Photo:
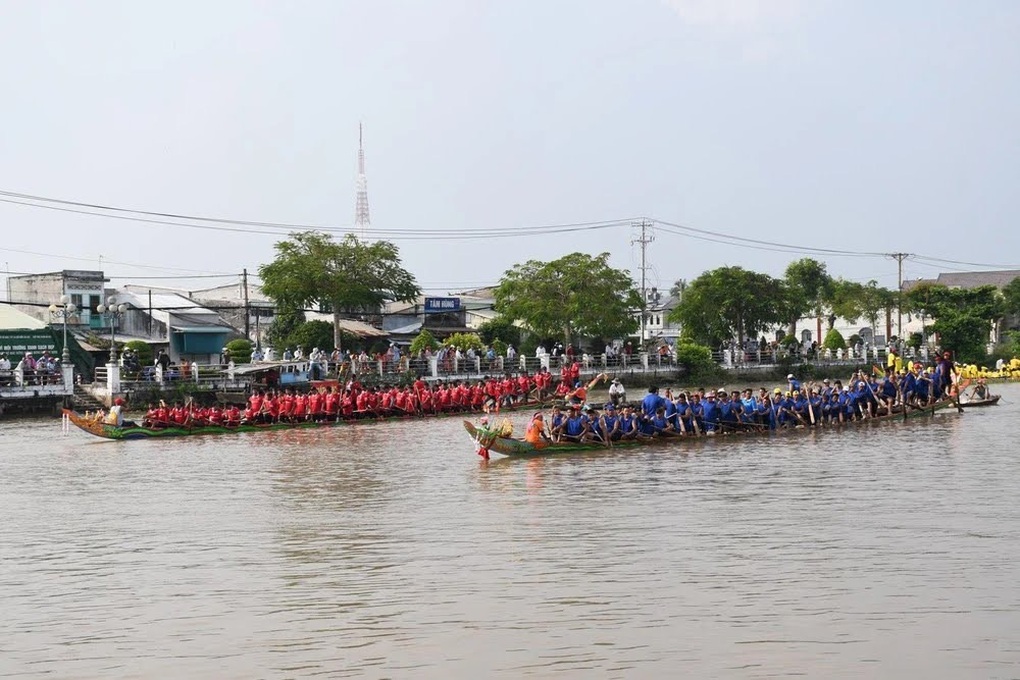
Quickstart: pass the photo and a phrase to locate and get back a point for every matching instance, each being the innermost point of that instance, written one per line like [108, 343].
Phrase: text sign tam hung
[434, 305]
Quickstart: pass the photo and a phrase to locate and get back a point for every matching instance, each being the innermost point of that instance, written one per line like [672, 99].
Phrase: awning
[410, 329]
[202, 329]
[263, 366]
[361, 329]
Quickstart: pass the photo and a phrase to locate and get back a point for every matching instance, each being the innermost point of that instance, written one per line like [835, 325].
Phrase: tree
[853, 301]
[500, 328]
[312, 334]
[678, 289]
[1011, 297]
[809, 287]
[730, 302]
[465, 341]
[576, 295]
[348, 277]
[285, 321]
[424, 340]
[963, 317]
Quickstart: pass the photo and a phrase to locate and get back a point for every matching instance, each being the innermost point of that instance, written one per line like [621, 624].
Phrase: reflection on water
[391, 550]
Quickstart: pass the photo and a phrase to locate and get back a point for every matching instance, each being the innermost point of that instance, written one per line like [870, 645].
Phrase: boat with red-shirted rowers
[493, 439]
[98, 425]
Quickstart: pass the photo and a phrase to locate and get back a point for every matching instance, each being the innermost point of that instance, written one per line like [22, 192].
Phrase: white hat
[790, 377]
[616, 381]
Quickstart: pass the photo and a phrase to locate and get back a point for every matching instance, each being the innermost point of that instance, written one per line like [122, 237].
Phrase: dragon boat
[488, 440]
[100, 428]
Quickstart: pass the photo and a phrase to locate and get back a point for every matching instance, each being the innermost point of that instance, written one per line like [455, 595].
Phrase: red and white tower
[362, 221]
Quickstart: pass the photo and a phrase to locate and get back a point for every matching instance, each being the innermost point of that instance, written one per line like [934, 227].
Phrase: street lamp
[112, 310]
[65, 309]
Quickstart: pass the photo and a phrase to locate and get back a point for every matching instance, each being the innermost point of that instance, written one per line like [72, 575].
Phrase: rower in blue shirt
[710, 413]
[651, 402]
[611, 422]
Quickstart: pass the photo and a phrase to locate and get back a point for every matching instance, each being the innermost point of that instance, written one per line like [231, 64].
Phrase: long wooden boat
[488, 441]
[989, 401]
[107, 431]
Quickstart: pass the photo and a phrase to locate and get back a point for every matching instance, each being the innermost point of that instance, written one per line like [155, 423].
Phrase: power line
[966, 264]
[92, 259]
[756, 243]
[283, 228]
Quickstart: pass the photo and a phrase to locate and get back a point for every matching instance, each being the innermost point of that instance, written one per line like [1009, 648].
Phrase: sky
[850, 127]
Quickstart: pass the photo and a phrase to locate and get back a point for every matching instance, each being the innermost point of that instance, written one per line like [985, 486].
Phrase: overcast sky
[851, 126]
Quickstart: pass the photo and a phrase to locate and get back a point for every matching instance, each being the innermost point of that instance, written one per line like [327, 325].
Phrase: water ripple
[388, 550]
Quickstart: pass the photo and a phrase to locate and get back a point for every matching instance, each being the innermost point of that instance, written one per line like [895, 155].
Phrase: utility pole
[247, 310]
[646, 237]
[899, 257]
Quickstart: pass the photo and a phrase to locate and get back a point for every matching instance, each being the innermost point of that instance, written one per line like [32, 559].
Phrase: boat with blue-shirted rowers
[589, 430]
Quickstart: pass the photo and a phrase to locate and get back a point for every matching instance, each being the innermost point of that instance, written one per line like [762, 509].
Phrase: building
[658, 327]
[188, 331]
[33, 294]
[441, 316]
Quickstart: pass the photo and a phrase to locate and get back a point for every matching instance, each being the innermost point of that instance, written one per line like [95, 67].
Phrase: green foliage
[854, 301]
[575, 295]
[347, 277]
[730, 302]
[499, 347]
[808, 286]
[424, 340]
[937, 301]
[142, 349]
[239, 350]
[285, 321]
[915, 340]
[1009, 348]
[465, 341]
[312, 334]
[1011, 297]
[854, 340]
[963, 317]
[834, 340]
[965, 334]
[697, 361]
[692, 356]
[500, 328]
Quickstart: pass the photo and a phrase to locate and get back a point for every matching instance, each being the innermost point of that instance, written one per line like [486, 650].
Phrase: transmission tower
[361, 219]
[646, 237]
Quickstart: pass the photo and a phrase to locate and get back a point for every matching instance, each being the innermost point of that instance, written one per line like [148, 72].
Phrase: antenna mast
[362, 221]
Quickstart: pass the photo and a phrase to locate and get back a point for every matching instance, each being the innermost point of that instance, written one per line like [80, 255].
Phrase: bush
[500, 328]
[499, 347]
[311, 334]
[239, 351]
[142, 349]
[424, 340]
[915, 340]
[697, 361]
[855, 340]
[465, 341]
[834, 340]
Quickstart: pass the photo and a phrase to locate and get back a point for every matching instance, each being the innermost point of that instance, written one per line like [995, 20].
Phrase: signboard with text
[438, 305]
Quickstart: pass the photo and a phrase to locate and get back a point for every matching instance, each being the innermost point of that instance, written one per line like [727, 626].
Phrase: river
[390, 550]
